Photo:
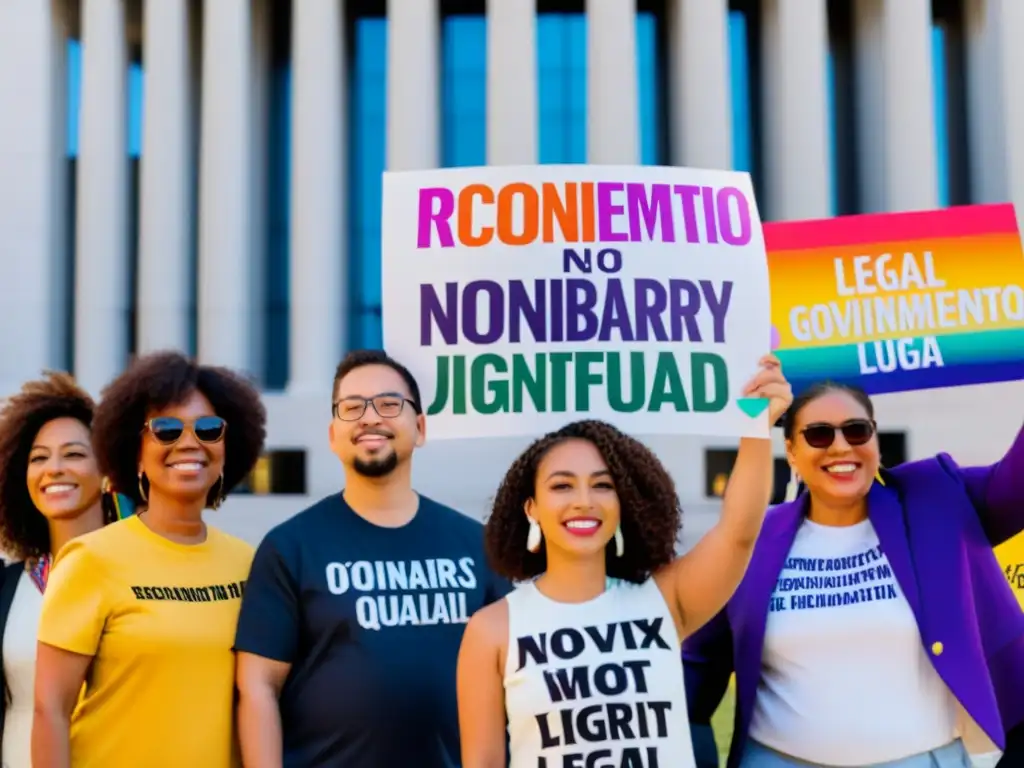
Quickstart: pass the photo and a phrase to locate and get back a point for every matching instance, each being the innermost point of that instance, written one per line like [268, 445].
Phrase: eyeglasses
[168, 429]
[387, 406]
[855, 432]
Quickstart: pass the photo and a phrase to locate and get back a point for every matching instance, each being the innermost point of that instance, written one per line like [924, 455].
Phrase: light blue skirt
[953, 755]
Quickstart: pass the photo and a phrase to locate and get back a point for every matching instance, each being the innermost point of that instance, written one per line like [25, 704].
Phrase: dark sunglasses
[168, 429]
[855, 432]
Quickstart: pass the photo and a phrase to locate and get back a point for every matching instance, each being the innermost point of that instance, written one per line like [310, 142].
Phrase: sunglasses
[168, 429]
[855, 432]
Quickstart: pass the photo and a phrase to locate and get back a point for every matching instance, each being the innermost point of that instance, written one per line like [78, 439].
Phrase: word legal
[490, 383]
[582, 212]
[872, 274]
[628, 757]
[574, 310]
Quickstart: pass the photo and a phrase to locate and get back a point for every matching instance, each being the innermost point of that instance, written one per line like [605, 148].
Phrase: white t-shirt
[597, 683]
[19, 659]
[845, 680]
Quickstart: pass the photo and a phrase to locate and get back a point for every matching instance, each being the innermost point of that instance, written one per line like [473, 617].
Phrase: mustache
[372, 431]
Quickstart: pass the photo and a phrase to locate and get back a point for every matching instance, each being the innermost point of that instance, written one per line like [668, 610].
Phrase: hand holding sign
[769, 389]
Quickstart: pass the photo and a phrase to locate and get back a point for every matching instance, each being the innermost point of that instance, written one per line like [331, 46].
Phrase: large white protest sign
[524, 298]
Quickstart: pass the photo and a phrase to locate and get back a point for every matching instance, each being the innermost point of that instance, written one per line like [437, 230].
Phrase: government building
[206, 175]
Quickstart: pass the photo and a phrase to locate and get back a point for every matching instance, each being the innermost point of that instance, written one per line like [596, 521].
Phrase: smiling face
[63, 478]
[374, 439]
[574, 501]
[178, 464]
[840, 472]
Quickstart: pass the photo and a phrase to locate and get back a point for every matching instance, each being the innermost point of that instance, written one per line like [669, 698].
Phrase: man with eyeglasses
[354, 611]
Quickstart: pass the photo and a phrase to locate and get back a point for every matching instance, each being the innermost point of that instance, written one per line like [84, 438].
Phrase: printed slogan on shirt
[808, 583]
[399, 593]
[613, 725]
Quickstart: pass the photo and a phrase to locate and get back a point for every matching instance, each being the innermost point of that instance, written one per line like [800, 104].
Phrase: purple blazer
[937, 523]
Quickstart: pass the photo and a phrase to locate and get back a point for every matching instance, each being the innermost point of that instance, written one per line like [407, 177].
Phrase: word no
[519, 214]
[568, 643]
[574, 310]
[491, 383]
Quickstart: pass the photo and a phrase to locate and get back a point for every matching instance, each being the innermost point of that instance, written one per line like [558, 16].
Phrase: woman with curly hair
[143, 612]
[50, 492]
[583, 661]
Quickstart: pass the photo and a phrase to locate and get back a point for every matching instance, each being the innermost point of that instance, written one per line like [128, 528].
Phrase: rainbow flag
[900, 301]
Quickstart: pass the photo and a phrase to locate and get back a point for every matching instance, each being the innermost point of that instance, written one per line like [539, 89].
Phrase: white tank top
[597, 683]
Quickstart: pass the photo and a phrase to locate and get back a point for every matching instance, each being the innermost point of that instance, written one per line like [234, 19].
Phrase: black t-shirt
[370, 619]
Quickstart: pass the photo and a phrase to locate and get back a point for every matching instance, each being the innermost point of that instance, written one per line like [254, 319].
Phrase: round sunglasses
[855, 432]
[169, 429]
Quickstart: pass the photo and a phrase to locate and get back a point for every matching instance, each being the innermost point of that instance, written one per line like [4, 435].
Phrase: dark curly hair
[651, 516]
[160, 379]
[24, 532]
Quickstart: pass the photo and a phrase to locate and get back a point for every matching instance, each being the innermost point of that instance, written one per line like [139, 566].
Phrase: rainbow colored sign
[896, 302]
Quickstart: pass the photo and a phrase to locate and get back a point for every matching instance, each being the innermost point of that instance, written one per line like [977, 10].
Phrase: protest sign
[523, 298]
[901, 301]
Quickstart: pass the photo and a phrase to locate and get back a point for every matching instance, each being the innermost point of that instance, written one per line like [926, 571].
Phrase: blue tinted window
[562, 87]
[278, 226]
[650, 90]
[833, 149]
[464, 91]
[135, 91]
[739, 69]
[368, 137]
[941, 111]
[74, 53]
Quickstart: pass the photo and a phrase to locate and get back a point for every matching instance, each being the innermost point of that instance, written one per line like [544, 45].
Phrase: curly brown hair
[24, 532]
[160, 379]
[651, 516]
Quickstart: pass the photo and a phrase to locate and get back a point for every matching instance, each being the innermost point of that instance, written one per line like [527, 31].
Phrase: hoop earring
[219, 498]
[878, 477]
[142, 491]
[620, 543]
[533, 538]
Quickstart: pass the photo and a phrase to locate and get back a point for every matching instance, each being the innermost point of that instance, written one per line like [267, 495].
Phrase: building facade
[205, 175]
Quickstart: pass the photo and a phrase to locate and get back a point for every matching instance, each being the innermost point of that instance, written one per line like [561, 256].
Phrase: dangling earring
[219, 498]
[620, 543]
[533, 538]
[878, 477]
[142, 491]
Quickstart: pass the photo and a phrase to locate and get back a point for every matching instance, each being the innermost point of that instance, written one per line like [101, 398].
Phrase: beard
[381, 467]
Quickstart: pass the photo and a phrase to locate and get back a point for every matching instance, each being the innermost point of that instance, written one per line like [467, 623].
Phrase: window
[718, 464]
[742, 117]
[562, 87]
[277, 228]
[278, 472]
[464, 91]
[368, 134]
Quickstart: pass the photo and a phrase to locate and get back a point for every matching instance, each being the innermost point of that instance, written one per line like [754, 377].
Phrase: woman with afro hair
[143, 612]
[582, 661]
[51, 491]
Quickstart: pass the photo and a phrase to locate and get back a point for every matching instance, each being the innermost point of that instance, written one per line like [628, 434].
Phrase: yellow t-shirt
[159, 619]
[1010, 555]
